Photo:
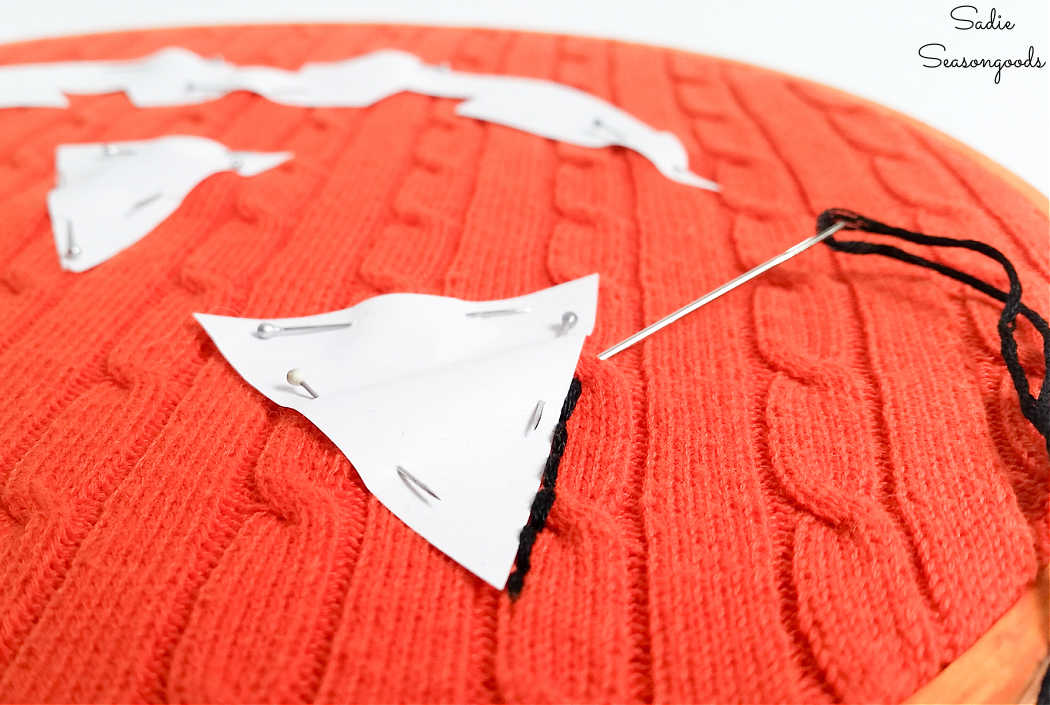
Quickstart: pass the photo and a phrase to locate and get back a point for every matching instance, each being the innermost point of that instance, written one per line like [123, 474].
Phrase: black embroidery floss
[544, 500]
[1035, 408]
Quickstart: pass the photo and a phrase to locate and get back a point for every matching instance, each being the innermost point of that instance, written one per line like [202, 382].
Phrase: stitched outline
[544, 499]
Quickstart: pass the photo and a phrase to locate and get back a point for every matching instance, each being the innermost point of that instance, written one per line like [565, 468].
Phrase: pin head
[267, 330]
[295, 377]
[568, 320]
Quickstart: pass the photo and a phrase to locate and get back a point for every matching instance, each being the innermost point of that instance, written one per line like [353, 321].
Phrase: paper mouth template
[445, 407]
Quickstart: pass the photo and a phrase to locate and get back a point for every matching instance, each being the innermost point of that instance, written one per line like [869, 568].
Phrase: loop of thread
[544, 500]
[1035, 408]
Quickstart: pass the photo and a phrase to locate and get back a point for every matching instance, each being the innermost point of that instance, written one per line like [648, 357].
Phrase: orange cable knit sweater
[820, 488]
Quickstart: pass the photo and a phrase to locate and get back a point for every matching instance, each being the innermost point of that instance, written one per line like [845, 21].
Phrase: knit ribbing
[797, 495]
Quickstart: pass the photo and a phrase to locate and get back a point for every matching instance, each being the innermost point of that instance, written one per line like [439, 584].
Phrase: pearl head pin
[272, 330]
[112, 150]
[295, 378]
[569, 319]
[72, 249]
[493, 313]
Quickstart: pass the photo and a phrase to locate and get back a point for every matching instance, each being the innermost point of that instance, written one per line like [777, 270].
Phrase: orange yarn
[797, 494]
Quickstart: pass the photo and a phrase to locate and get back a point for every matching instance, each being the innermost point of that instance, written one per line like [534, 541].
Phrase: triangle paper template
[177, 76]
[110, 195]
[445, 407]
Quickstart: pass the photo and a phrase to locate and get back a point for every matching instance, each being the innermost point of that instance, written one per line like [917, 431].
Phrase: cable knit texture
[819, 488]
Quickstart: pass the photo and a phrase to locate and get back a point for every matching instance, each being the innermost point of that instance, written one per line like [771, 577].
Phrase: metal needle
[724, 289]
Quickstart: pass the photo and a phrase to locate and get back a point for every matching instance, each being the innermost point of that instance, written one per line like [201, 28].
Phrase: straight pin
[412, 482]
[72, 249]
[142, 203]
[724, 289]
[534, 420]
[272, 330]
[192, 87]
[112, 150]
[493, 313]
[295, 378]
[601, 125]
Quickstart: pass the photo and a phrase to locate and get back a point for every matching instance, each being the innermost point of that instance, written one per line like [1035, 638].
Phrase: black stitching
[544, 500]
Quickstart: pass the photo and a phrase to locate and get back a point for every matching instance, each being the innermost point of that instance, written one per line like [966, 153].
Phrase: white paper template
[171, 76]
[353, 83]
[668, 155]
[110, 195]
[442, 388]
[45, 85]
[442, 82]
[177, 76]
[30, 87]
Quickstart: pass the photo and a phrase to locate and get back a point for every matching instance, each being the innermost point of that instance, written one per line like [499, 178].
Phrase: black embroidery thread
[544, 499]
[1035, 408]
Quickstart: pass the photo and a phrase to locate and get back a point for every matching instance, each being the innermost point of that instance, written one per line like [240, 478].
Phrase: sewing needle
[724, 289]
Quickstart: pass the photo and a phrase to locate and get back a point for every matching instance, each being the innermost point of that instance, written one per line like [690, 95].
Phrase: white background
[866, 47]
